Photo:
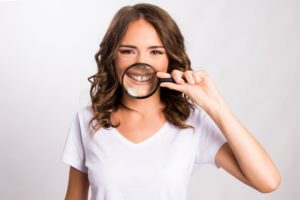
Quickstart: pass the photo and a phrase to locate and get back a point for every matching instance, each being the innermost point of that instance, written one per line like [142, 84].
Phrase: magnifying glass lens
[140, 80]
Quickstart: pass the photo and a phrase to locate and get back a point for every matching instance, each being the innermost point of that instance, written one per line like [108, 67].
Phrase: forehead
[142, 34]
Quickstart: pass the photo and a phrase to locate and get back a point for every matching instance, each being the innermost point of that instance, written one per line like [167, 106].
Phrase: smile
[139, 77]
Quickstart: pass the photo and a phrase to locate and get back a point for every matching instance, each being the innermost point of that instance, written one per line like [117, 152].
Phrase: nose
[142, 57]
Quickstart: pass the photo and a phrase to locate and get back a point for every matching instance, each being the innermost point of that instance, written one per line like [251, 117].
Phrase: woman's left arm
[242, 155]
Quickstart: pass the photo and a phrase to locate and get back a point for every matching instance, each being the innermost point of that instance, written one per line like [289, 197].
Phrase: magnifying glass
[140, 81]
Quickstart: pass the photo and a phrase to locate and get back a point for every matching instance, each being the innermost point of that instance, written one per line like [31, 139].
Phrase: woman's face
[141, 44]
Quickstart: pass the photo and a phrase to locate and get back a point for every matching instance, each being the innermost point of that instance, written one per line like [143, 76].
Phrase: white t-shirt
[157, 168]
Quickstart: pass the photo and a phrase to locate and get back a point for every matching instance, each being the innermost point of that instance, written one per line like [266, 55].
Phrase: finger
[201, 73]
[197, 78]
[177, 76]
[189, 77]
[205, 78]
[163, 75]
[172, 86]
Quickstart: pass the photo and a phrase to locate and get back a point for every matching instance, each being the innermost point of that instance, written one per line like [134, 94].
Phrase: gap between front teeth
[141, 78]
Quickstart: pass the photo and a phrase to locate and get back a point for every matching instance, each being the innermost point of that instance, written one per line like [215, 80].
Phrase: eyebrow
[135, 47]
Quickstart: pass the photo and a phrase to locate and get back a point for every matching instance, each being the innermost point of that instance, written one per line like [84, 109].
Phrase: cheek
[162, 64]
[121, 65]
[119, 70]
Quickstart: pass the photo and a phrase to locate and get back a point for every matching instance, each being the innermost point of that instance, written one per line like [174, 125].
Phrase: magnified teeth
[140, 78]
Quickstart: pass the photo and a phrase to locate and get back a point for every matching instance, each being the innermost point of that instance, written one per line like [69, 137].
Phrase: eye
[156, 52]
[126, 51]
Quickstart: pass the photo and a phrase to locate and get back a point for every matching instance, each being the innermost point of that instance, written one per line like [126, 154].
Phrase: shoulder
[83, 117]
[199, 118]
[85, 112]
[196, 114]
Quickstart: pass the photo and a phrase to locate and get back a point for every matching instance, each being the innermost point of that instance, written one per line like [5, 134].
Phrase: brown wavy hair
[106, 91]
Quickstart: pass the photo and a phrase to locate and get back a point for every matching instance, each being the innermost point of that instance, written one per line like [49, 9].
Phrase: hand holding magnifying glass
[141, 80]
[197, 86]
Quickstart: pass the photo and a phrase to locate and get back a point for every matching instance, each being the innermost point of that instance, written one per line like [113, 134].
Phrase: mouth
[140, 77]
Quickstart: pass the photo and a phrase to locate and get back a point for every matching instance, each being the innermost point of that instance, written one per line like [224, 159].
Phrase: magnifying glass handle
[169, 80]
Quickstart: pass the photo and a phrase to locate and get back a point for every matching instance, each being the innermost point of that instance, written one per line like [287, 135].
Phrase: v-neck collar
[128, 142]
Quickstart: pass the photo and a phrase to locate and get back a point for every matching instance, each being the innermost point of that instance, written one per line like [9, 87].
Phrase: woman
[128, 148]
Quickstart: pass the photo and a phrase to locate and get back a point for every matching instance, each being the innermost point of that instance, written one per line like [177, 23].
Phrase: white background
[250, 49]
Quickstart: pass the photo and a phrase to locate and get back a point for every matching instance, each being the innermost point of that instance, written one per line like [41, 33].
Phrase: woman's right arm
[78, 185]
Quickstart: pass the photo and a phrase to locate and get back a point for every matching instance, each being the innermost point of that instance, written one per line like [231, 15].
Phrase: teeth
[140, 78]
[145, 78]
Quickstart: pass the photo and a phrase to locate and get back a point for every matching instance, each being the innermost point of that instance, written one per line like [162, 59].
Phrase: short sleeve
[209, 138]
[73, 152]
